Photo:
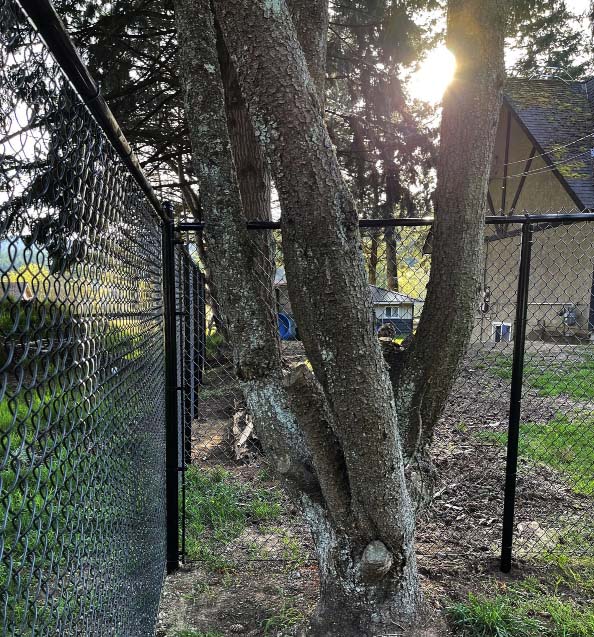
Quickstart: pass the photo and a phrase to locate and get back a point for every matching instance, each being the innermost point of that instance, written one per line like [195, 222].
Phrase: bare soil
[458, 540]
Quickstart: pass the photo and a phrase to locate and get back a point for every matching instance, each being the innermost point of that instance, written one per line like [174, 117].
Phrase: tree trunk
[372, 267]
[328, 286]
[391, 260]
[231, 257]
[470, 114]
[251, 168]
[364, 592]
[311, 19]
[333, 433]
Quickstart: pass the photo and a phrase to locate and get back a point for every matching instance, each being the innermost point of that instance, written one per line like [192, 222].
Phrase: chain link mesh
[464, 525]
[81, 363]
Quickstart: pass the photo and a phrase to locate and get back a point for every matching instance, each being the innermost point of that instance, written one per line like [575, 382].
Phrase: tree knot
[376, 561]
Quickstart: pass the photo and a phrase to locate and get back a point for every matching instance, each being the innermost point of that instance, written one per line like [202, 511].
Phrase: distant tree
[548, 39]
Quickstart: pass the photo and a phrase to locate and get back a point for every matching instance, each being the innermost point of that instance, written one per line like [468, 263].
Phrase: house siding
[561, 273]
[542, 192]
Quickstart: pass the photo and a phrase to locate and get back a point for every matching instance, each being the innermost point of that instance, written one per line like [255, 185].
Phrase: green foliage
[566, 444]
[287, 617]
[497, 616]
[218, 509]
[213, 342]
[547, 34]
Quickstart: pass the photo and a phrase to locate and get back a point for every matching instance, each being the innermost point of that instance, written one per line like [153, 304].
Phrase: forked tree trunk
[374, 559]
[337, 428]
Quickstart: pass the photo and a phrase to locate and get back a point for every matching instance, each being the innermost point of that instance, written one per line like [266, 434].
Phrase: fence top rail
[50, 27]
[569, 218]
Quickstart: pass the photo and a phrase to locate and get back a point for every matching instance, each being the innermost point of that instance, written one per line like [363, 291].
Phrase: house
[388, 307]
[394, 308]
[542, 163]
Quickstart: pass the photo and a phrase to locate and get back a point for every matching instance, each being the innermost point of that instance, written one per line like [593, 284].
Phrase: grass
[214, 340]
[571, 377]
[565, 444]
[529, 608]
[287, 617]
[219, 509]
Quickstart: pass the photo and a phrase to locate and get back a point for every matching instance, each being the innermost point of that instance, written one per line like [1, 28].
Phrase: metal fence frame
[528, 223]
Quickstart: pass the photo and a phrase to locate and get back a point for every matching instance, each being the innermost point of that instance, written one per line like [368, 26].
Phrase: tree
[350, 440]
[545, 36]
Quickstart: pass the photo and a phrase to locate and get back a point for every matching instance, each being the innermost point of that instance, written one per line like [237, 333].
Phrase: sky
[436, 72]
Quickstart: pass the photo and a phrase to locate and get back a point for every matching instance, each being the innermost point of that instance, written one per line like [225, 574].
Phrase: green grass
[197, 633]
[529, 608]
[565, 444]
[287, 617]
[498, 616]
[214, 340]
[219, 509]
[571, 377]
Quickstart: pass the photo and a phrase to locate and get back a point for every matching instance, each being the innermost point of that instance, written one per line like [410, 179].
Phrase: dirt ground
[458, 541]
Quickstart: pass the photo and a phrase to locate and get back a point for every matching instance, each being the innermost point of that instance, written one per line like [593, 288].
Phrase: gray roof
[382, 296]
[379, 296]
[555, 113]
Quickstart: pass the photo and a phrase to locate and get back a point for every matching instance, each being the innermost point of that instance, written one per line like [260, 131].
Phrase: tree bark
[231, 257]
[311, 19]
[471, 106]
[335, 433]
[328, 286]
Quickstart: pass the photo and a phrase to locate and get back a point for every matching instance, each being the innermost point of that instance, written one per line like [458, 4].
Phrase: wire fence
[555, 465]
[82, 443]
[119, 403]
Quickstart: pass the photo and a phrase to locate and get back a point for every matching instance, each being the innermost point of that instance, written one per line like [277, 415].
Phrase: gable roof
[382, 296]
[558, 117]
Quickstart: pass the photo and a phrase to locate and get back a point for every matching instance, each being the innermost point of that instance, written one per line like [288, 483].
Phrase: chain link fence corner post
[171, 389]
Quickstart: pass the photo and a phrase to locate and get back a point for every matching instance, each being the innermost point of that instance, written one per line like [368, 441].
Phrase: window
[501, 332]
[391, 311]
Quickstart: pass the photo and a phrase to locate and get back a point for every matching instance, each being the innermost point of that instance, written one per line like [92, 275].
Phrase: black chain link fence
[82, 445]
[554, 500]
[84, 375]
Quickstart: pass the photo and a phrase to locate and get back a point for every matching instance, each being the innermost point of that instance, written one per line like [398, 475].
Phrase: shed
[388, 307]
[393, 307]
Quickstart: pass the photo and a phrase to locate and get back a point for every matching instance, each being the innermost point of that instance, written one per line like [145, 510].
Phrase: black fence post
[198, 336]
[515, 403]
[201, 328]
[187, 358]
[171, 399]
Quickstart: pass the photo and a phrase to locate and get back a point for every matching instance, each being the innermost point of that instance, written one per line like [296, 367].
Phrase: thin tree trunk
[230, 254]
[372, 268]
[469, 122]
[391, 260]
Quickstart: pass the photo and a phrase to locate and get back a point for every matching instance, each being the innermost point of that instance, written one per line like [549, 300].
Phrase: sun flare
[435, 73]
